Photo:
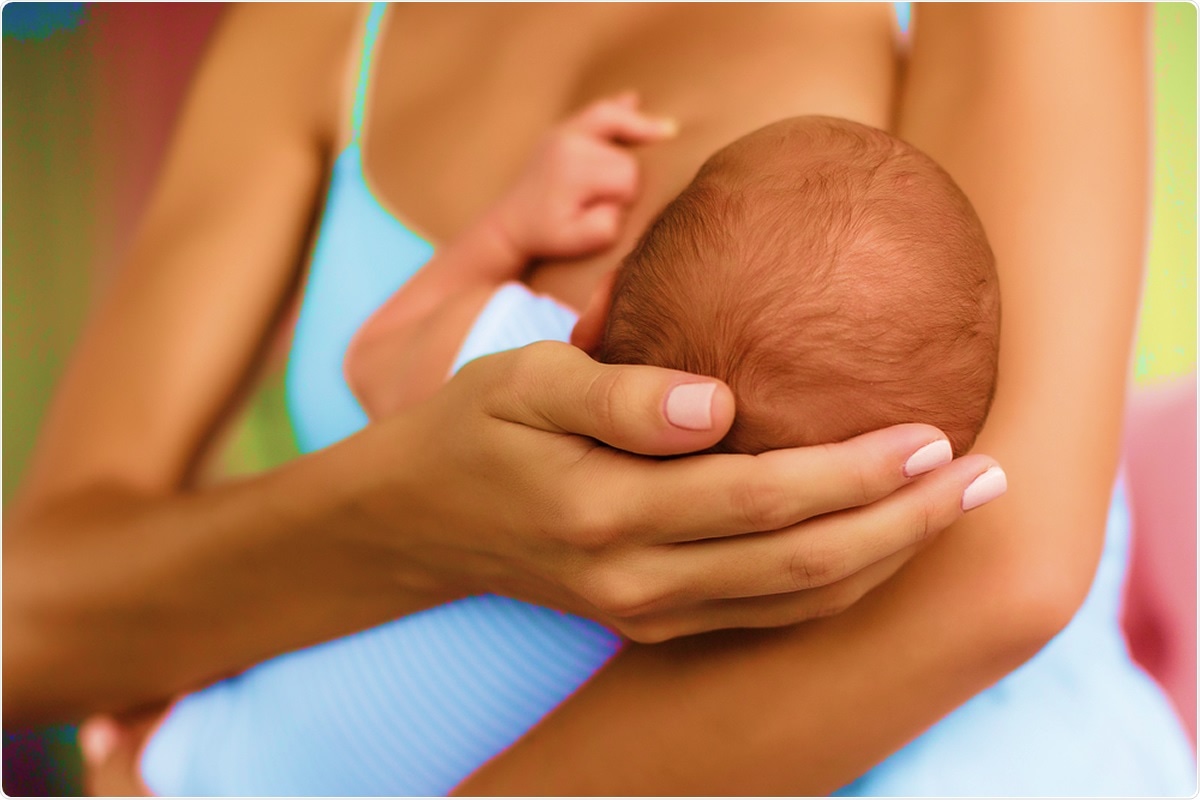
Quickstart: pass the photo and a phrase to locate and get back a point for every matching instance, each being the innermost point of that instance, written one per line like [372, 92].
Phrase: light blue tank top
[363, 254]
[413, 706]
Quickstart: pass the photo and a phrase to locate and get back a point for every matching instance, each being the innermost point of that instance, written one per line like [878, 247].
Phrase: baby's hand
[571, 196]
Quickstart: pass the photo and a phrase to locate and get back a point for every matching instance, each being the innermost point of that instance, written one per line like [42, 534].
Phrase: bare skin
[683, 60]
[974, 605]
[570, 201]
[122, 573]
[1059, 178]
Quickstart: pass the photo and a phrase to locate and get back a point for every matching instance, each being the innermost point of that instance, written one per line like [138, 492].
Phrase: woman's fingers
[651, 544]
[646, 410]
[768, 611]
[825, 550]
[636, 583]
[814, 569]
[721, 495]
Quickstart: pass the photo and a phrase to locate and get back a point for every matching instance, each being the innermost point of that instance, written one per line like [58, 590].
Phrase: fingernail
[96, 741]
[984, 489]
[689, 406]
[931, 456]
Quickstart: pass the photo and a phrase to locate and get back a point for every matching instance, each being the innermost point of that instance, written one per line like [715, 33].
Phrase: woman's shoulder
[301, 55]
[310, 28]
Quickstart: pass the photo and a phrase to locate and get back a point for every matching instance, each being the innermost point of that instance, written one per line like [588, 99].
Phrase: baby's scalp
[833, 275]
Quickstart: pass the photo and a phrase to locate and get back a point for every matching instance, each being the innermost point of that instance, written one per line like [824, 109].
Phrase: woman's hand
[502, 483]
[571, 197]
[507, 487]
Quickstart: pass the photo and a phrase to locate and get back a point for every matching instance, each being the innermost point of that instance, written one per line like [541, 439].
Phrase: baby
[834, 276]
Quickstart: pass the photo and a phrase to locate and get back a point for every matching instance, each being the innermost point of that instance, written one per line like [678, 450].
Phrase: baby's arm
[567, 202]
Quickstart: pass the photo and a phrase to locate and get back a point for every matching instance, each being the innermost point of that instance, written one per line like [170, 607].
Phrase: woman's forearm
[1040, 113]
[113, 598]
[793, 712]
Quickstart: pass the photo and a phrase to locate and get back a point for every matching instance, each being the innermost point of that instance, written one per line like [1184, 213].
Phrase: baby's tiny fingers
[609, 174]
[622, 122]
[598, 225]
[629, 99]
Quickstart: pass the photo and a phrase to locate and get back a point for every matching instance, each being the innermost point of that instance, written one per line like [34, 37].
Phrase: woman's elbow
[27, 676]
[45, 679]
[1039, 596]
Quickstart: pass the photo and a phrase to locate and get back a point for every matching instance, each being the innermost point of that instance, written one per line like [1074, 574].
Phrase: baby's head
[835, 277]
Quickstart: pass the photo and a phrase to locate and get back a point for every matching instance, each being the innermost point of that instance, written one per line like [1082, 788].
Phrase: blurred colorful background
[90, 92]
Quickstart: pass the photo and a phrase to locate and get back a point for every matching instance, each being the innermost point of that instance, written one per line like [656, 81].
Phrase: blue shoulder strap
[367, 57]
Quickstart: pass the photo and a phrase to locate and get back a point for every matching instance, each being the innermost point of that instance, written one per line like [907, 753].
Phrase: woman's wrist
[369, 492]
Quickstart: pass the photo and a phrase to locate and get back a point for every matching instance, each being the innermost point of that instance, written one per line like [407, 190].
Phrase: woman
[969, 608]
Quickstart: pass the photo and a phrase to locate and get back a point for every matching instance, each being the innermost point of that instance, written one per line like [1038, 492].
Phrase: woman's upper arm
[1040, 112]
[174, 335]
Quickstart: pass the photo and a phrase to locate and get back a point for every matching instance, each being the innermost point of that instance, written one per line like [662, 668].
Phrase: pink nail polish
[689, 406]
[987, 487]
[931, 456]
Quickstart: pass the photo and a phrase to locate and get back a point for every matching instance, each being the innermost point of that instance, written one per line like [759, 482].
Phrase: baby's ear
[589, 329]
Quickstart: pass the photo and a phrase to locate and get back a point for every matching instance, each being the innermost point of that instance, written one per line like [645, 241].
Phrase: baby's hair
[834, 276]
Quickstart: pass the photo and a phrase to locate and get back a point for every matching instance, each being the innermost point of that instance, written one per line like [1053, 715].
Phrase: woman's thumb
[641, 409]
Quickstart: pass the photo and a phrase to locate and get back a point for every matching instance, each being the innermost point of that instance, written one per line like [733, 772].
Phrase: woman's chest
[461, 94]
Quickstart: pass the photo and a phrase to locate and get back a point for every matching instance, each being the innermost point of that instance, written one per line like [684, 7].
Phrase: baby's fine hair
[834, 276]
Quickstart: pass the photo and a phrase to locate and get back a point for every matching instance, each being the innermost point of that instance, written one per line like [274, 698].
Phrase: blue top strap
[370, 39]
